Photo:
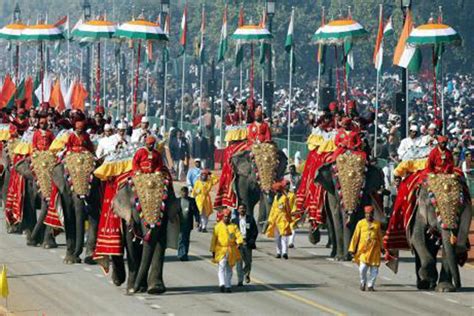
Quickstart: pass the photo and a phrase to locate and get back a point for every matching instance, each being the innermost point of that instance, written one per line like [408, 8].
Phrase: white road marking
[99, 275]
[140, 298]
[87, 269]
[452, 301]
[348, 265]
[52, 250]
[111, 282]
[154, 306]
[62, 257]
[428, 293]
[385, 278]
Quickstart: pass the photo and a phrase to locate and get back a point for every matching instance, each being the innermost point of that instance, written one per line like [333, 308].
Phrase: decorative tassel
[147, 236]
[453, 239]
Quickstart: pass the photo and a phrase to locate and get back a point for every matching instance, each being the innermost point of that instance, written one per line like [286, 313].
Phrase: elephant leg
[338, 227]
[80, 229]
[38, 233]
[93, 218]
[347, 231]
[424, 248]
[118, 270]
[155, 276]
[147, 256]
[49, 241]
[134, 254]
[449, 268]
[69, 229]
[331, 232]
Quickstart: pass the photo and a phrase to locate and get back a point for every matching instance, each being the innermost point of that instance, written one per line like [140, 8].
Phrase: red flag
[241, 17]
[78, 97]
[28, 93]
[8, 90]
[56, 99]
[184, 27]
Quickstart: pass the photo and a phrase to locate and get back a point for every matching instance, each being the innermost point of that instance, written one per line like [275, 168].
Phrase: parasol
[12, 32]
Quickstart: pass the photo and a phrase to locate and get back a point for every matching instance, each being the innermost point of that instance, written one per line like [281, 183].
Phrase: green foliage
[307, 20]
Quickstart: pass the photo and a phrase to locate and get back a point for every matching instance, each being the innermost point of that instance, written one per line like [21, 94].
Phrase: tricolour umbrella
[435, 35]
[251, 34]
[95, 31]
[337, 31]
[12, 32]
[140, 29]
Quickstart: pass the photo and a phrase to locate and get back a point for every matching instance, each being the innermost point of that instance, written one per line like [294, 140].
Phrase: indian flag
[289, 42]
[184, 30]
[382, 32]
[407, 56]
[202, 46]
[223, 40]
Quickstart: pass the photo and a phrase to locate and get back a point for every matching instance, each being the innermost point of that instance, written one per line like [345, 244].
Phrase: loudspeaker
[400, 103]
[327, 96]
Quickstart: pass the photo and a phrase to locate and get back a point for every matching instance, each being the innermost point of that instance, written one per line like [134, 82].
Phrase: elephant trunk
[449, 245]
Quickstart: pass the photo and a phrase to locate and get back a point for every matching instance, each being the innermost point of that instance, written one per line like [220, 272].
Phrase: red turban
[279, 186]
[351, 104]
[226, 212]
[13, 130]
[21, 111]
[333, 106]
[442, 139]
[368, 209]
[150, 140]
[206, 172]
[43, 120]
[100, 109]
[346, 121]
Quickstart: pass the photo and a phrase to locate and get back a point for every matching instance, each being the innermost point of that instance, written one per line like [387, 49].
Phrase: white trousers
[204, 220]
[225, 273]
[292, 237]
[281, 243]
[373, 272]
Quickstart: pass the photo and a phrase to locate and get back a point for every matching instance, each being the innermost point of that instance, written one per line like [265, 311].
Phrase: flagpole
[290, 96]
[406, 103]
[221, 131]
[318, 86]
[104, 75]
[147, 91]
[263, 88]
[241, 81]
[165, 92]
[379, 69]
[182, 88]
[201, 71]
[68, 53]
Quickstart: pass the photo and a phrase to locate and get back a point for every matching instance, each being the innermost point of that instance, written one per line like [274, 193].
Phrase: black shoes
[362, 287]
[228, 290]
[285, 256]
[291, 246]
[371, 289]
[278, 256]
[240, 284]
[247, 279]
[222, 288]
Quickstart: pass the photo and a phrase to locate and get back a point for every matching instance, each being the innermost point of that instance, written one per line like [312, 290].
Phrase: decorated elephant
[79, 195]
[350, 185]
[441, 219]
[255, 171]
[151, 224]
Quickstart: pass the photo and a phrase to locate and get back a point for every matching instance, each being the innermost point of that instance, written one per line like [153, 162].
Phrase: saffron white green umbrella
[139, 30]
[95, 31]
[337, 31]
[12, 32]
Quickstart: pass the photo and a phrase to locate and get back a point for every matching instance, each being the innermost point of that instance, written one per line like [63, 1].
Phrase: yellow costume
[225, 241]
[366, 244]
[280, 216]
[201, 193]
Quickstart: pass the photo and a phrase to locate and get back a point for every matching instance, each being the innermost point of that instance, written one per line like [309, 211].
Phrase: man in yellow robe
[279, 220]
[202, 194]
[225, 244]
[366, 245]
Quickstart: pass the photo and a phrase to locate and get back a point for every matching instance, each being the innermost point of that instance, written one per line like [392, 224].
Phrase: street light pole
[269, 85]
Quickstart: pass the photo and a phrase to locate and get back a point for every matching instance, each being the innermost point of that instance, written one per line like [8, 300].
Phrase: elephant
[37, 232]
[341, 224]
[145, 259]
[76, 211]
[247, 187]
[427, 233]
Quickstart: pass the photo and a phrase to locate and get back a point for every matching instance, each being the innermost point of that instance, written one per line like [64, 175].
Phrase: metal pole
[442, 96]
[165, 91]
[201, 96]
[118, 89]
[290, 96]
[221, 130]
[104, 76]
[318, 87]
[147, 91]
[407, 97]
[182, 89]
[263, 88]
[269, 70]
[132, 87]
[68, 53]
[241, 80]
[376, 113]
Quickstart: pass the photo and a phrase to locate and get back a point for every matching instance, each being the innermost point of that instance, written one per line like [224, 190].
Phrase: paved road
[306, 284]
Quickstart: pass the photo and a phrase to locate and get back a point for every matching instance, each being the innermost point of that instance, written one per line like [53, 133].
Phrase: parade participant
[366, 246]
[409, 144]
[179, 150]
[440, 159]
[279, 220]
[79, 140]
[188, 213]
[42, 234]
[106, 144]
[120, 139]
[147, 159]
[225, 241]
[259, 131]
[193, 174]
[97, 125]
[249, 231]
[360, 123]
[140, 134]
[293, 179]
[430, 138]
[21, 122]
[202, 193]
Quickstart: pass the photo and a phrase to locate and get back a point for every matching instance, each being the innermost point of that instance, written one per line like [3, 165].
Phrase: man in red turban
[441, 159]
[259, 131]
[79, 140]
[148, 159]
[42, 137]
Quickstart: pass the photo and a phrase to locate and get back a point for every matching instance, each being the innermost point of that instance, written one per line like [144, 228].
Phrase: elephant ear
[24, 169]
[123, 204]
[282, 164]
[241, 163]
[324, 177]
[374, 179]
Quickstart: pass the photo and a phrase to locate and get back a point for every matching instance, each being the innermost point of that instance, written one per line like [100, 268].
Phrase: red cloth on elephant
[440, 161]
[258, 133]
[15, 194]
[109, 233]
[310, 195]
[54, 214]
[42, 139]
[79, 143]
[226, 196]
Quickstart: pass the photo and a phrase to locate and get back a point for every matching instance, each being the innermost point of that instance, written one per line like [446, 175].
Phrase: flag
[68, 95]
[4, 283]
[223, 45]
[202, 45]
[166, 52]
[241, 17]
[407, 56]
[439, 50]
[322, 48]
[289, 42]
[57, 100]
[184, 30]
[25, 92]
[8, 91]
[378, 51]
[264, 47]
[46, 90]
[78, 96]
[388, 29]
[63, 26]
[349, 56]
